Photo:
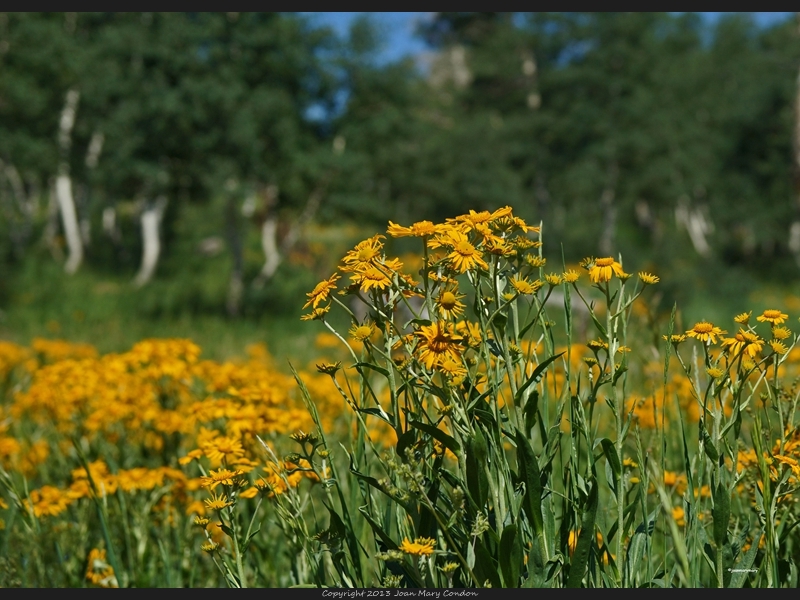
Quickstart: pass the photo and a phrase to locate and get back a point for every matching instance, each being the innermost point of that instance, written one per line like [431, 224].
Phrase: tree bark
[151, 242]
[64, 197]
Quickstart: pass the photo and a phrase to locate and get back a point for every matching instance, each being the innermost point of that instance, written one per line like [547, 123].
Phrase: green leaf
[617, 374]
[528, 468]
[708, 444]
[637, 546]
[500, 321]
[611, 456]
[449, 442]
[485, 415]
[510, 556]
[586, 538]
[376, 412]
[477, 481]
[535, 376]
[372, 366]
[404, 441]
[388, 542]
[721, 514]
[531, 410]
[486, 565]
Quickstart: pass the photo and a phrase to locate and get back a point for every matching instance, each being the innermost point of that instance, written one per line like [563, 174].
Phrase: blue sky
[398, 28]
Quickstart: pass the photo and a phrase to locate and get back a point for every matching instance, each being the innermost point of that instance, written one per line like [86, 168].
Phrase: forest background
[194, 174]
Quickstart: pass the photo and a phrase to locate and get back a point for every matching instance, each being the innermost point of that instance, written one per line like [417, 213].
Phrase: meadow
[472, 414]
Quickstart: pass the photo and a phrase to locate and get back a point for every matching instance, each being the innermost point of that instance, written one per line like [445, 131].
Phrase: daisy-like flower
[596, 345]
[743, 342]
[329, 368]
[715, 372]
[362, 332]
[781, 333]
[743, 318]
[553, 278]
[317, 314]
[217, 502]
[705, 332]
[449, 304]
[321, 291]
[474, 218]
[675, 338]
[523, 286]
[778, 347]
[471, 332]
[371, 277]
[570, 276]
[437, 342]
[209, 546]
[647, 278]
[510, 222]
[498, 246]
[453, 369]
[419, 229]
[535, 260]
[201, 521]
[603, 269]
[250, 492]
[773, 316]
[364, 254]
[521, 242]
[419, 547]
[190, 456]
[220, 477]
[223, 447]
[464, 255]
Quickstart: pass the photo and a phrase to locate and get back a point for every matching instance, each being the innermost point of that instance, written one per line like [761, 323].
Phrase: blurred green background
[195, 174]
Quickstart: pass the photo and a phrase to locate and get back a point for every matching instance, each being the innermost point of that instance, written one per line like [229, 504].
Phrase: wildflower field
[476, 417]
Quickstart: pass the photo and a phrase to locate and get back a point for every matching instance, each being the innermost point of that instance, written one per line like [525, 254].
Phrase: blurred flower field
[484, 419]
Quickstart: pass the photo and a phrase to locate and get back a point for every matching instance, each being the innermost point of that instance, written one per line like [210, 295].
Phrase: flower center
[363, 332]
[703, 328]
[772, 313]
[366, 254]
[465, 248]
[448, 301]
[604, 262]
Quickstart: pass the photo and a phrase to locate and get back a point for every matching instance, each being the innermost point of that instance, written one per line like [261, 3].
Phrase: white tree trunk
[269, 243]
[151, 241]
[66, 202]
[697, 226]
[69, 220]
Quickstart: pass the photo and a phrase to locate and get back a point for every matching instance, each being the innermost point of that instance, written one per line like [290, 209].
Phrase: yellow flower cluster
[153, 410]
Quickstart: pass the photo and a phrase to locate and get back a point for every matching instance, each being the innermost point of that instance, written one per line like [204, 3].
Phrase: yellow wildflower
[773, 316]
[602, 269]
[437, 342]
[362, 332]
[419, 547]
[705, 332]
[570, 276]
[419, 229]
[744, 342]
[321, 291]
